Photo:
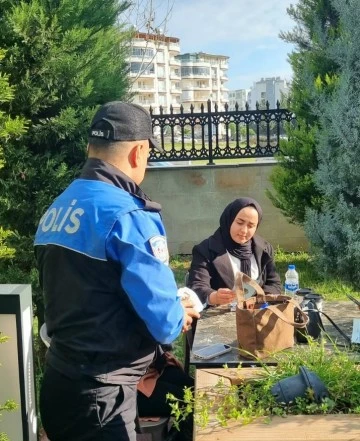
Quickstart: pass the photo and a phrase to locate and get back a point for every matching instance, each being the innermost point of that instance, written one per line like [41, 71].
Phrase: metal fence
[211, 134]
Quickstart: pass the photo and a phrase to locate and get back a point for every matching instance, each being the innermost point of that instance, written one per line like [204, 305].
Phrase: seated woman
[233, 247]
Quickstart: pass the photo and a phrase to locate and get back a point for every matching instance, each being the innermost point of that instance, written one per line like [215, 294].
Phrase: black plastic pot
[313, 297]
[287, 389]
[303, 291]
[313, 328]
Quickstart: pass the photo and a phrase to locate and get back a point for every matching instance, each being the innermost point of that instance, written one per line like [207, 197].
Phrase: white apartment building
[268, 89]
[155, 71]
[239, 96]
[203, 77]
[160, 76]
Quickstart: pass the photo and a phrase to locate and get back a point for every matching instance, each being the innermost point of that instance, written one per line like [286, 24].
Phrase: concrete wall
[194, 197]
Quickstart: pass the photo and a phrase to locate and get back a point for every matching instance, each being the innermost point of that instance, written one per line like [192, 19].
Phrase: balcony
[145, 74]
[175, 76]
[141, 89]
[194, 87]
[144, 102]
[174, 62]
[201, 96]
[201, 87]
[174, 47]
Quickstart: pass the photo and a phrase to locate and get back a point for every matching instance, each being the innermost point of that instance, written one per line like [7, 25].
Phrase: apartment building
[203, 77]
[155, 71]
[239, 96]
[160, 76]
[268, 89]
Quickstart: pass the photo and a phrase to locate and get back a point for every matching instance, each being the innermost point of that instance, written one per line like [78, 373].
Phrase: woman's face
[244, 226]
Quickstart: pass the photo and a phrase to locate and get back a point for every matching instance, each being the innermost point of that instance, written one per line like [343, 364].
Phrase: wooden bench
[291, 428]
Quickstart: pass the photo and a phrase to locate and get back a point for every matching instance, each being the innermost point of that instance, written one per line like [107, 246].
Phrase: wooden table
[217, 325]
[291, 428]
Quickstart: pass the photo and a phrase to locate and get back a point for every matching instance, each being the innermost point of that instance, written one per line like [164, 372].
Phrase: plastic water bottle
[291, 281]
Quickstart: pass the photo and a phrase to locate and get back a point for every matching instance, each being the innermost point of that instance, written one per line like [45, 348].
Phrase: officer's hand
[187, 303]
[189, 315]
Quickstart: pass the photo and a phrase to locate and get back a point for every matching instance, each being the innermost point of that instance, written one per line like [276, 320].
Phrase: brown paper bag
[265, 322]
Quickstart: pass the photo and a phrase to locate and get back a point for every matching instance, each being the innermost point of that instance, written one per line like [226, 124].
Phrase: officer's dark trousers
[86, 410]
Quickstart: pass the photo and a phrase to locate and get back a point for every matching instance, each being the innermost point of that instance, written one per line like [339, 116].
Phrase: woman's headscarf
[241, 251]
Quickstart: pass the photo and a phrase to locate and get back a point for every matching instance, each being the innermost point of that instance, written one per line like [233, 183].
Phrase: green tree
[65, 58]
[293, 177]
[242, 131]
[334, 229]
[9, 127]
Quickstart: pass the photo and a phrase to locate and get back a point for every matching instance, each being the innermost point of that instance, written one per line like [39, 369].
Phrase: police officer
[109, 293]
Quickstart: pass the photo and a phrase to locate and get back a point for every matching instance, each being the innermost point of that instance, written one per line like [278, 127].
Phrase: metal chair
[189, 336]
[44, 335]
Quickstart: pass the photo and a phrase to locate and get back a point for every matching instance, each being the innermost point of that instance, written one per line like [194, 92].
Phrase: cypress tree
[334, 229]
[293, 177]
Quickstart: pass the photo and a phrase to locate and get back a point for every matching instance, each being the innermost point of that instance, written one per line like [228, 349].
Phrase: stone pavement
[342, 313]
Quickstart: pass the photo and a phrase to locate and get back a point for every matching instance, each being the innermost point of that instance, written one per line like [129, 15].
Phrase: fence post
[211, 162]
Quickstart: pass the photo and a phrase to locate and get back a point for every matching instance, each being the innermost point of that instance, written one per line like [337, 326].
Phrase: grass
[331, 288]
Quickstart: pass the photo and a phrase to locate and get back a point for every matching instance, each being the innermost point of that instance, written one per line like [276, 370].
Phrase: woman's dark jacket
[211, 268]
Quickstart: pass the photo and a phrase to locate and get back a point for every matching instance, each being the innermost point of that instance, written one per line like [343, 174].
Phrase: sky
[247, 31]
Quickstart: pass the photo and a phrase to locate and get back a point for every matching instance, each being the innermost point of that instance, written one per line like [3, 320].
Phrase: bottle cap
[291, 267]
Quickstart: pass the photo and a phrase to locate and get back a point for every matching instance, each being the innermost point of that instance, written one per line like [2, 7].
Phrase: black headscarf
[241, 251]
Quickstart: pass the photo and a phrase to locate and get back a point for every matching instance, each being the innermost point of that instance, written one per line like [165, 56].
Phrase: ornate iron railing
[212, 135]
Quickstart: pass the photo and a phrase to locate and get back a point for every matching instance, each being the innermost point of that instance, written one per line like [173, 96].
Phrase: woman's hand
[222, 296]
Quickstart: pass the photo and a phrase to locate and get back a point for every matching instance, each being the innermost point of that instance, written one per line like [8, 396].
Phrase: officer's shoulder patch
[159, 248]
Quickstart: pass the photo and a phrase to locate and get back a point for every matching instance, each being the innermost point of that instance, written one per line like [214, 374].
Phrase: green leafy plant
[253, 399]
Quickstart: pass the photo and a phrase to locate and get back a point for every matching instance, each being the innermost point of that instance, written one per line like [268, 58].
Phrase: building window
[142, 52]
[160, 56]
[142, 68]
[162, 85]
[160, 71]
[188, 71]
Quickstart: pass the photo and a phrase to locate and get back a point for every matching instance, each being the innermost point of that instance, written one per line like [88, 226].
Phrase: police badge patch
[159, 248]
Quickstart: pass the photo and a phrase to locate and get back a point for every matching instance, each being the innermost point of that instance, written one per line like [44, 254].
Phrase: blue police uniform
[110, 295]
